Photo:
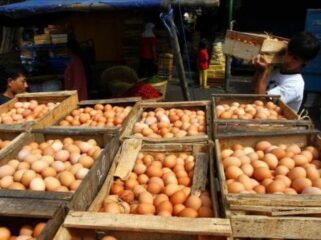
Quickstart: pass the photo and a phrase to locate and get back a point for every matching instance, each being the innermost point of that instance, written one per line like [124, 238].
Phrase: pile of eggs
[54, 165]
[26, 111]
[4, 143]
[267, 168]
[26, 232]
[98, 116]
[170, 123]
[257, 110]
[160, 184]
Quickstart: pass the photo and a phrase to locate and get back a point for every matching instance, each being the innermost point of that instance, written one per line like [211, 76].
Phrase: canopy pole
[228, 59]
[177, 53]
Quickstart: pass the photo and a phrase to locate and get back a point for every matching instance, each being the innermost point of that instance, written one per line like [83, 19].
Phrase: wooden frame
[139, 108]
[86, 192]
[237, 126]
[248, 45]
[15, 212]
[131, 101]
[67, 99]
[130, 226]
[271, 215]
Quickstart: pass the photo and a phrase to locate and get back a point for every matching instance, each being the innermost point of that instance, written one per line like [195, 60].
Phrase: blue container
[312, 72]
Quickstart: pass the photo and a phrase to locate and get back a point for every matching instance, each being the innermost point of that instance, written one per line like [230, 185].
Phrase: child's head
[14, 80]
[202, 44]
[302, 48]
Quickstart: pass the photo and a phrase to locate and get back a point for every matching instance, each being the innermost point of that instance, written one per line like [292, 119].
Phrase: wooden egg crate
[14, 137]
[67, 99]
[15, 213]
[144, 227]
[124, 102]
[235, 126]
[275, 216]
[140, 107]
[248, 45]
[87, 190]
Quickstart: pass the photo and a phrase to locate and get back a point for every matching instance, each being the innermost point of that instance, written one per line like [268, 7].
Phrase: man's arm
[261, 76]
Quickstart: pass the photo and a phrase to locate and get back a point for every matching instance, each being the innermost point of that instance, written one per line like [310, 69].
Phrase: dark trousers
[147, 68]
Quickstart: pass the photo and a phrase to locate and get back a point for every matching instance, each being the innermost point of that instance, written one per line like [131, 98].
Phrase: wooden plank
[16, 138]
[36, 208]
[200, 173]
[128, 156]
[106, 221]
[276, 227]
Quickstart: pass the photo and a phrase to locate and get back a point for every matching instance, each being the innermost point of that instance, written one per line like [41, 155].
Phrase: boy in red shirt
[202, 63]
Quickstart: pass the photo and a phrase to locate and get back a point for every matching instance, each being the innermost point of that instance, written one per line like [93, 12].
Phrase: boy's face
[292, 63]
[18, 85]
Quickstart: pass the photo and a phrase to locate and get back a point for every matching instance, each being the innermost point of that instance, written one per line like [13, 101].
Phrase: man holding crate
[287, 80]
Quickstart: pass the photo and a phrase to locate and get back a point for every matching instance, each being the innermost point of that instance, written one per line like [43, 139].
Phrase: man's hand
[260, 63]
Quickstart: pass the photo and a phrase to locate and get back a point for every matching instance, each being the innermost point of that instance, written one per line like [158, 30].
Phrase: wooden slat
[105, 221]
[200, 173]
[276, 227]
[128, 156]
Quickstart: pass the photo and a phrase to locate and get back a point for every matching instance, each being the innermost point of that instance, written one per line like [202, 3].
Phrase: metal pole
[178, 59]
[228, 59]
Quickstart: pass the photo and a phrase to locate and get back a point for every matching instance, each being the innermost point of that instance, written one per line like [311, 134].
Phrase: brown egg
[66, 178]
[27, 177]
[226, 153]
[271, 160]
[193, 202]
[279, 153]
[23, 165]
[247, 169]
[231, 161]
[49, 172]
[312, 190]
[297, 172]
[74, 186]
[290, 191]
[299, 184]
[6, 170]
[233, 172]
[266, 182]
[146, 197]
[62, 189]
[205, 212]
[285, 179]
[6, 181]
[261, 173]
[170, 189]
[164, 206]
[62, 155]
[86, 161]
[154, 188]
[18, 175]
[312, 173]
[51, 183]
[235, 187]
[245, 159]
[308, 155]
[276, 186]
[262, 145]
[5, 233]
[259, 163]
[246, 181]
[188, 212]
[317, 183]
[131, 183]
[16, 186]
[300, 160]
[146, 209]
[314, 151]
[260, 189]
[58, 166]
[281, 170]
[178, 197]
[81, 173]
[13, 163]
[160, 198]
[112, 207]
[294, 148]
[38, 166]
[154, 171]
[287, 162]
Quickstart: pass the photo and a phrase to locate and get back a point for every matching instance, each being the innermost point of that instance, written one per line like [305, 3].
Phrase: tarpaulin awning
[42, 6]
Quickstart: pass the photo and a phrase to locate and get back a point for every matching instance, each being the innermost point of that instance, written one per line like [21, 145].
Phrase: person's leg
[205, 79]
[200, 76]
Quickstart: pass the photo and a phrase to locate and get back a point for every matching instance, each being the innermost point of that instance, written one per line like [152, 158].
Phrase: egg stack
[256, 110]
[160, 184]
[26, 111]
[98, 116]
[54, 165]
[170, 123]
[268, 168]
[26, 232]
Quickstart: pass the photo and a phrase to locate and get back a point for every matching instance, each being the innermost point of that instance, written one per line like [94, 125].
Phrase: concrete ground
[237, 85]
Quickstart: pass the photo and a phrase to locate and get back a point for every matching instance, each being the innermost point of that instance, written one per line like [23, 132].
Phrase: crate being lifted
[248, 45]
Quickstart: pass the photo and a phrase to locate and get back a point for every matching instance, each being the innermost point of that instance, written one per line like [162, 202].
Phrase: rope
[304, 114]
